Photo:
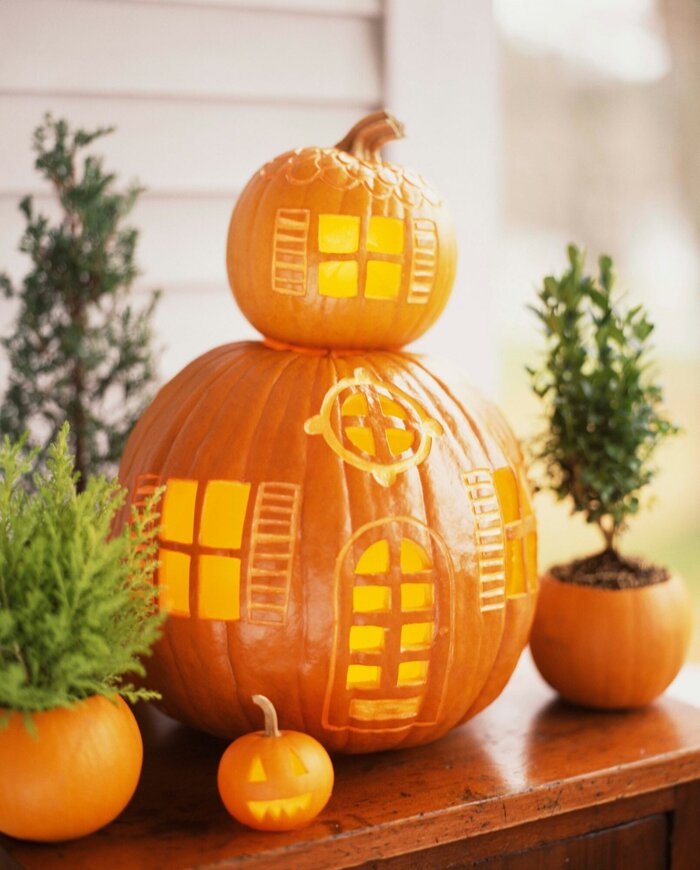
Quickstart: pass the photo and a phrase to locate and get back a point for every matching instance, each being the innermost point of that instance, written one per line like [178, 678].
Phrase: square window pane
[338, 233]
[416, 635]
[385, 235]
[219, 587]
[412, 673]
[383, 280]
[174, 582]
[364, 676]
[416, 596]
[177, 520]
[223, 513]
[367, 638]
[337, 278]
[367, 599]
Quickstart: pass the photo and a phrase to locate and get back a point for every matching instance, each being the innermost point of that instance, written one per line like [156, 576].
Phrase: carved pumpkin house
[344, 531]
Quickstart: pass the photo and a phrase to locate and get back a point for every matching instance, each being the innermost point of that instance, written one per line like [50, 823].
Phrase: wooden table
[532, 782]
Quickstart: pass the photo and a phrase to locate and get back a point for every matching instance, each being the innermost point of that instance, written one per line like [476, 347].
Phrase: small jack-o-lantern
[275, 780]
[335, 247]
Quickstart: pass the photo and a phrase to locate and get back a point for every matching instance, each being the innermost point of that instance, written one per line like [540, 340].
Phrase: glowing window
[338, 233]
[174, 582]
[416, 596]
[399, 440]
[374, 560]
[383, 280]
[367, 638]
[362, 437]
[371, 599]
[414, 559]
[390, 408]
[364, 676]
[355, 406]
[219, 587]
[223, 513]
[385, 235]
[416, 635]
[177, 519]
[337, 278]
[412, 673]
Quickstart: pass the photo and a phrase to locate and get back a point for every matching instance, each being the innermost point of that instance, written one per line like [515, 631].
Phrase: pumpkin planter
[275, 780]
[74, 776]
[610, 631]
[610, 648]
[343, 530]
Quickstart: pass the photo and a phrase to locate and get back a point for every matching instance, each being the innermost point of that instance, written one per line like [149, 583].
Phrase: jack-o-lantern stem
[366, 138]
[266, 705]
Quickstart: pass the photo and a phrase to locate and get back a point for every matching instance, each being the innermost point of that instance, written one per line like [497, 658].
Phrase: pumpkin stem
[366, 138]
[266, 705]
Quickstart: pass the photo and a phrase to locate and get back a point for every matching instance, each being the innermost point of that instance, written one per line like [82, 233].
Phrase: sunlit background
[541, 121]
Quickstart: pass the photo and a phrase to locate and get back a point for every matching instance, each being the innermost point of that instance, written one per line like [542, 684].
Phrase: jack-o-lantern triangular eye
[257, 771]
[297, 764]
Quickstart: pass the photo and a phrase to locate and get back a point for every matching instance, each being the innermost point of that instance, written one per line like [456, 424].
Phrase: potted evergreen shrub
[610, 631]
[77, 612]
[80, 350]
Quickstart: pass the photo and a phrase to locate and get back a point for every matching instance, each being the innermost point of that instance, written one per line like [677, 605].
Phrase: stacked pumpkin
[344, 529]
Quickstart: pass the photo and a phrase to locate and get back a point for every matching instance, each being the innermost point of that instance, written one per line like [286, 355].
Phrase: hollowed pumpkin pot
[346, 533]
[74, 775]
[611, 648]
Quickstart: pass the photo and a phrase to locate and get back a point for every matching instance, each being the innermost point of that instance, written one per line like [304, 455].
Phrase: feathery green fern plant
[77, 604]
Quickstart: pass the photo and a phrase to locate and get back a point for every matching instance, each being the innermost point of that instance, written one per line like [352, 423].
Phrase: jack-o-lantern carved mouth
[279, 808]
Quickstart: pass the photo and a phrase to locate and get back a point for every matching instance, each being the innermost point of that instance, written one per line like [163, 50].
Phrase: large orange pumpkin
[334, 247]
[345, 533]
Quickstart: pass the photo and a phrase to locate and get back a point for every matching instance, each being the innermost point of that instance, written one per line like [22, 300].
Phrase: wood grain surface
[528, 778]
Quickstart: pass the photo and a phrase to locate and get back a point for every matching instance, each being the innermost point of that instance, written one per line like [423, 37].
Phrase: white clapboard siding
[356, 8]
[170, 146]
[203, 91]
[182, 241]
[176, 50]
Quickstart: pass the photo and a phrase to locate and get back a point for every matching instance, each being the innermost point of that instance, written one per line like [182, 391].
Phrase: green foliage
[77, 606]
[79, 351]
[602, 408]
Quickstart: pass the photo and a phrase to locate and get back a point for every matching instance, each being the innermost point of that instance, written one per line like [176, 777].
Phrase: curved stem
[266, 705]
[366, 138]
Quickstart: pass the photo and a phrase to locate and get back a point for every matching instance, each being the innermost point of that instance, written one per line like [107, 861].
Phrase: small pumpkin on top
[275, 780]
[336, 247]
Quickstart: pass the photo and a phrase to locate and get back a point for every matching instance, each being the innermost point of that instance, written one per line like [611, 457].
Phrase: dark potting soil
[610, 570]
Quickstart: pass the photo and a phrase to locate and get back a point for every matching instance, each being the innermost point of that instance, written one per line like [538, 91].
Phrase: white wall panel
[355, 8]
[141, 49]
[182, 241]
[170, 146]
[442, 81]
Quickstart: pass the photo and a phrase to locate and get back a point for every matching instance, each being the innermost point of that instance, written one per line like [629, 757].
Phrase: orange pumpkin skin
[398, 249]
[75, 777]
[611, 648]
[275, 782]
[365, 595]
